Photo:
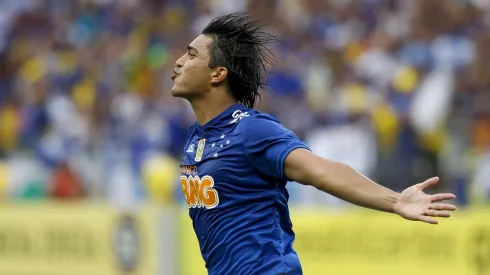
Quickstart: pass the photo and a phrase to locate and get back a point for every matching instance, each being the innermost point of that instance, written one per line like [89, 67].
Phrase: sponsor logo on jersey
[200, 149]
[238, 115]
[188, 169]
[199, 192]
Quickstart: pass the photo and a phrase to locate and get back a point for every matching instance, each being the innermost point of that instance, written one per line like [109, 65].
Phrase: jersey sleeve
[267, 144]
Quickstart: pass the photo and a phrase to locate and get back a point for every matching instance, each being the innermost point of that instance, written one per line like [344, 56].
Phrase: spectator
[388, 86]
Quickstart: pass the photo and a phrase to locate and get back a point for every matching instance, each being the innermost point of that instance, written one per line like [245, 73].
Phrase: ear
[218, 75]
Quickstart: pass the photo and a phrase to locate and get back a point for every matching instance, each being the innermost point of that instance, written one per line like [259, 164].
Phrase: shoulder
[259, 126]
[257, 121]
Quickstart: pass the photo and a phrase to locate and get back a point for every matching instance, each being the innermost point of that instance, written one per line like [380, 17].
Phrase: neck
[206, 110]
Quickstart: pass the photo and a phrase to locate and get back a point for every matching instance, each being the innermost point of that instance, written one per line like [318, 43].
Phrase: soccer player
[238, 160]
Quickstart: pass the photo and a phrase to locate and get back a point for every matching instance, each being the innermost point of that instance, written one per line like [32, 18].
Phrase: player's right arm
[346, 183]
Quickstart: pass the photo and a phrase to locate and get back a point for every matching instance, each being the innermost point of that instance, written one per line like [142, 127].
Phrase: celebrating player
[238, 160]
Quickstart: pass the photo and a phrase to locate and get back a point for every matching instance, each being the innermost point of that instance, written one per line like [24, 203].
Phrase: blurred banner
[191, 261]
[352, 243]
[373, 243]
[72, 239]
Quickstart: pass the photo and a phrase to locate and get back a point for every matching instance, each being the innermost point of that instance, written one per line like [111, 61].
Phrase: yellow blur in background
[359, 242]
[94, 239]
[61, 239]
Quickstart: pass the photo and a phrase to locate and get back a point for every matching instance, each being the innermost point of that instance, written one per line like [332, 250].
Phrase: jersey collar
[221, 121]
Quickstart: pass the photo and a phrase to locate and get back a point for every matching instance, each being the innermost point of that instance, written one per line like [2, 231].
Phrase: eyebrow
[192, 49]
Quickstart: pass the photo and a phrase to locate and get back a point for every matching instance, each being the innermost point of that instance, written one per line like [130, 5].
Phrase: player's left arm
[346, 183]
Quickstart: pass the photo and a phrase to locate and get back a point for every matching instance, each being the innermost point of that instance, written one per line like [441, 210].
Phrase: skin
[346, 183]
[205, 88]
[207, 91]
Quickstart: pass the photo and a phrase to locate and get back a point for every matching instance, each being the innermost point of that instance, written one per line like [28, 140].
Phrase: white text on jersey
[238, 115]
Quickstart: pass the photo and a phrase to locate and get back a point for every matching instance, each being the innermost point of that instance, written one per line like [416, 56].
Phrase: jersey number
[199, 192]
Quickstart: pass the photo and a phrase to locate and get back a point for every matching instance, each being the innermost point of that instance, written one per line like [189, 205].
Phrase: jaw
[180, 93]
[187, 92]
[177, 93]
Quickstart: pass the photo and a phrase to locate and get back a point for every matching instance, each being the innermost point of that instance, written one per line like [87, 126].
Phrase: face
[192, 77]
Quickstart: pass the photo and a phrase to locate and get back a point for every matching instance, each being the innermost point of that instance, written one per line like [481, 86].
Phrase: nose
[180, 62]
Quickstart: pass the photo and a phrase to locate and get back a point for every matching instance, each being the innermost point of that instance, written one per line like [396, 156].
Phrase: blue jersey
[233, 179]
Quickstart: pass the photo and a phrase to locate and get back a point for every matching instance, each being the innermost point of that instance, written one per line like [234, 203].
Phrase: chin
[177, 93]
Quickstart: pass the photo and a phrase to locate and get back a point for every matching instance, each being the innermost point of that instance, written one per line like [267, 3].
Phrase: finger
[442, 206]
[442, 197]
[435, 213]
[427, 219]
[427, 183]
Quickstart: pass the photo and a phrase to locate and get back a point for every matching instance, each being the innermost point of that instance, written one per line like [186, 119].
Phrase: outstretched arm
[346, 183]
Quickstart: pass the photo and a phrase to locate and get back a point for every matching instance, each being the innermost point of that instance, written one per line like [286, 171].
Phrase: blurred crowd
[399, 89]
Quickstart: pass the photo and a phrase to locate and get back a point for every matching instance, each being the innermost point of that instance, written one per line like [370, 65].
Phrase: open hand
[413, 204]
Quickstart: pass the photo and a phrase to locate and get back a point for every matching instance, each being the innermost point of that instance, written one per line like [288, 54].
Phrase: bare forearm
[339, 180]
[346, 183]
[343, 182]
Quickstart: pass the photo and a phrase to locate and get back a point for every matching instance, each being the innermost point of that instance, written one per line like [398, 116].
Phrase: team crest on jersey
[200, 149]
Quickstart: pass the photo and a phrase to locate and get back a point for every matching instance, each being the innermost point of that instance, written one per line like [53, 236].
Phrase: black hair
[241, 46]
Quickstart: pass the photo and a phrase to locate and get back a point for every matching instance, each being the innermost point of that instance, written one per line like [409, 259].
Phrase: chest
[209, 167]
[205, 152]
